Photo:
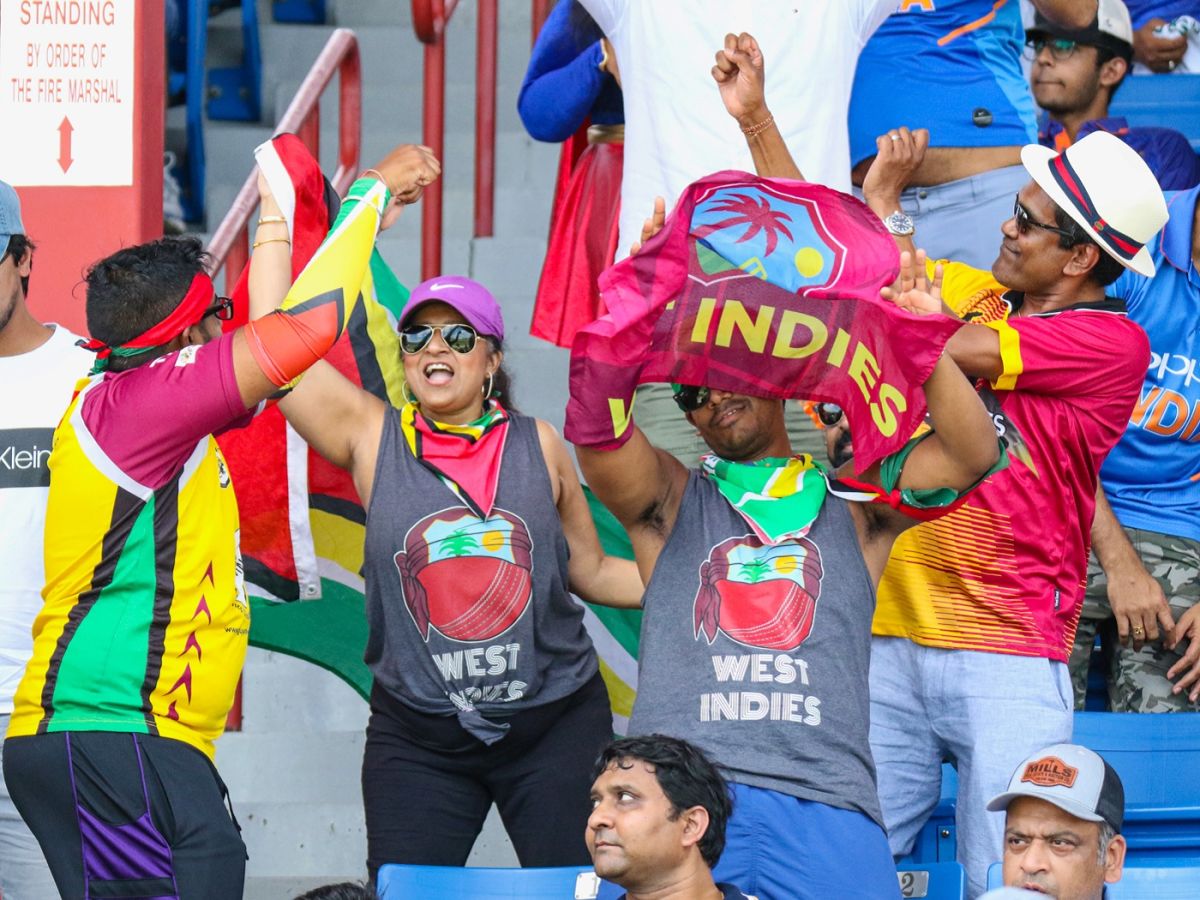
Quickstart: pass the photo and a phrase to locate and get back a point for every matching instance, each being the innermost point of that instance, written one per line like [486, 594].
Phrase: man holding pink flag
[761, 566]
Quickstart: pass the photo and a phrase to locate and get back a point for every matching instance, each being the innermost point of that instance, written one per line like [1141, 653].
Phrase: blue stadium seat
[1166, 882]
[1156, 883]
[1157, 757]
[396, 882]
[1168, 101]
[995, 876]
[939, 881]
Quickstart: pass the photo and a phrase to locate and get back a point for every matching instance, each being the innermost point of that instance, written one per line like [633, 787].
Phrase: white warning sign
[66, 92]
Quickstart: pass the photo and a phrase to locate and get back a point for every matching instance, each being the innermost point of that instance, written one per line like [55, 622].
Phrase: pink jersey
[148, 420]
[1005, 572]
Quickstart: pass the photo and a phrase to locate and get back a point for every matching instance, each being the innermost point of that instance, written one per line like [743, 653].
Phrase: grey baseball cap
[10, 214]
[1073, 778]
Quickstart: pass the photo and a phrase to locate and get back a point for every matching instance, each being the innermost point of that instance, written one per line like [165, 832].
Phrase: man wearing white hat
[977, 612]
[1062, 830]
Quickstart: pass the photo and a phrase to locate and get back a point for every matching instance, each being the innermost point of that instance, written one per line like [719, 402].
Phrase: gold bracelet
[375, 172]
[272, 220]
[760, 127]
[258, 244]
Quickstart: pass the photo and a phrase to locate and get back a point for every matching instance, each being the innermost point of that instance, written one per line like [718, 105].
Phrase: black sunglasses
[690, 398]
[1026, 221]
[222, 309]
[458, 337]
[829, 414]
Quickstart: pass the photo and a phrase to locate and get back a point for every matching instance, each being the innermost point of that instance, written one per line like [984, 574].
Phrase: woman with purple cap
[486, 685]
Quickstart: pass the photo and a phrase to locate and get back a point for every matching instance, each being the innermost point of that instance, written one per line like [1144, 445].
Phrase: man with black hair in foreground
[138, 648]
[659, 809]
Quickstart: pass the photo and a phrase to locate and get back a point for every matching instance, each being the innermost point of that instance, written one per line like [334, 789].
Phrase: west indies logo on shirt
[470, 579]
[760, 595]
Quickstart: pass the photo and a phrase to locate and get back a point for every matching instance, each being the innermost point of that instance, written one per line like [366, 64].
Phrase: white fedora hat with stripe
[1102, 183]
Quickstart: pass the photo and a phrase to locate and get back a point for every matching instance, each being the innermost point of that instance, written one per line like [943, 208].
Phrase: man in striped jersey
[139, 645]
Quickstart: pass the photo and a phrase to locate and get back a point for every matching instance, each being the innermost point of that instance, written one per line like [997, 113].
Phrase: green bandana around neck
[778, 497]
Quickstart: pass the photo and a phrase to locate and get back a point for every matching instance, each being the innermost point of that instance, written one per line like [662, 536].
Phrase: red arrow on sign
[64, 143]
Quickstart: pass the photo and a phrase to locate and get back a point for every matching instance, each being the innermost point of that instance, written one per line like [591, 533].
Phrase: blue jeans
[986, 711]
[779, 847]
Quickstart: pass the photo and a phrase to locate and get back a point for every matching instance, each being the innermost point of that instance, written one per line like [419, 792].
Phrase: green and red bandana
[781, 498]
[778, 497]
[467, 457]
[191, 309]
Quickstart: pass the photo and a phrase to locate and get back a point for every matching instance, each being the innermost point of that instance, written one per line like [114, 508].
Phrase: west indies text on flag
[764, 287]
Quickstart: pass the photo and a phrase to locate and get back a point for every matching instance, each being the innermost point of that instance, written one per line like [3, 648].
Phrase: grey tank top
[759, 654]
[466, 616]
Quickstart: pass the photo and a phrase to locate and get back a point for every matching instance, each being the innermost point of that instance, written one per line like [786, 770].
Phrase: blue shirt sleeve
[1142, 11]
[1130, 287]
[563, 85]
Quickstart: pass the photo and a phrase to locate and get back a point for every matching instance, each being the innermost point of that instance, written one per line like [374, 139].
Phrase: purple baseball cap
[468, 297]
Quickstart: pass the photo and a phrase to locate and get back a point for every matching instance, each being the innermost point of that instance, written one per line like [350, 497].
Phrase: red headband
[190, 310]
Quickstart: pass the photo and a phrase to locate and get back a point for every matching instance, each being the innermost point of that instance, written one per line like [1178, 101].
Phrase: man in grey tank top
[756, 648]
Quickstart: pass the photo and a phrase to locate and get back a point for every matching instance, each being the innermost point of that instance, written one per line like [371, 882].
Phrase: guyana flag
[302, 522]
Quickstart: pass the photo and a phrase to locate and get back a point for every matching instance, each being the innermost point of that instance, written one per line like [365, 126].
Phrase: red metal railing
[430, 18]
[229, 246]
[429, 22]
[230, 243]
[541, 9]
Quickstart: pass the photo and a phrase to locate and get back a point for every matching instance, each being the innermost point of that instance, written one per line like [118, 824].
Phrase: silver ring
[894, 137]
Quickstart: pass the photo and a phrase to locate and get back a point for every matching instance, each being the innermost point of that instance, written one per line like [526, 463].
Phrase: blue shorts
[779, 847]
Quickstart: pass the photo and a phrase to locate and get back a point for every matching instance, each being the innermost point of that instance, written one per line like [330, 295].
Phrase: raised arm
[899, 154]
[334, 416]
[739, 74]
[563, 80]
[594, 575]
[1074, 14]
[641, 485]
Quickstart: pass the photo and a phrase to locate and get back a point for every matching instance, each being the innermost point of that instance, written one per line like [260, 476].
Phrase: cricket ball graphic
[763, 596]
[467, 578]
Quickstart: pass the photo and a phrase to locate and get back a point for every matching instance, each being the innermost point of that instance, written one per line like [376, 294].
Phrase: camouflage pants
[1137, 679]
[665, 426]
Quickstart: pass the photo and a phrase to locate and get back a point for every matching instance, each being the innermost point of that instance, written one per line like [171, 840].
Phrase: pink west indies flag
[765, 287]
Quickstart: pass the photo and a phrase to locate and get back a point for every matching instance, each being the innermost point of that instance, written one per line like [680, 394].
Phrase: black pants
[428, 785]
[126, 816]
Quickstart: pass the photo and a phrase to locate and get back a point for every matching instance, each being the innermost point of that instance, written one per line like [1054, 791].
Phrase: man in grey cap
[45, 362]
[1062, 832]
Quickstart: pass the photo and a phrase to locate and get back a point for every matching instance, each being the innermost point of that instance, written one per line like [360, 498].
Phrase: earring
[487, 391]
[407, 394]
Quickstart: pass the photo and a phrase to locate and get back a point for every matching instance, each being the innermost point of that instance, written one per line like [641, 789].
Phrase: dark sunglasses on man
[1025, 221]
[689, 397]
[458, 337]
[829, 414]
